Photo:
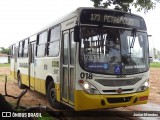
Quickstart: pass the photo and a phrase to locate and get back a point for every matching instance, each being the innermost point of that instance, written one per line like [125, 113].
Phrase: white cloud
[20, 19]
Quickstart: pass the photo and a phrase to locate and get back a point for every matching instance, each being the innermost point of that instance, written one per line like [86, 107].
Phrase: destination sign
[112, 18]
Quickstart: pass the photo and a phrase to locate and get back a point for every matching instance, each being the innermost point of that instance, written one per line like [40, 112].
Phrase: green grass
[4, 65]
[155, 65]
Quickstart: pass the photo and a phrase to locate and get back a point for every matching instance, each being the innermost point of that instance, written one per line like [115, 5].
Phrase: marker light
[87, 87]
[146, 83]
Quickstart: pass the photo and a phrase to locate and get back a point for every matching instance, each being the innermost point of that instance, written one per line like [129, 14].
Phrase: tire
[51, 96]
[20, 85]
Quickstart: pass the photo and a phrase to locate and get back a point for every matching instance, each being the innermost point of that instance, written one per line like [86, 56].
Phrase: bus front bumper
[84, 101]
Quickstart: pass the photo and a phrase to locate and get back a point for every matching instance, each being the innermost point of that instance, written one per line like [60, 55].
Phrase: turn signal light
[143, 98]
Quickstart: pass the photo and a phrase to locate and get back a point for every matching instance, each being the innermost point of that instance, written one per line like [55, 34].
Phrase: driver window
[113, 48]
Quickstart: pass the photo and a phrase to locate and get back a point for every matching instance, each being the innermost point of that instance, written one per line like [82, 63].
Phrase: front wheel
[51, 96]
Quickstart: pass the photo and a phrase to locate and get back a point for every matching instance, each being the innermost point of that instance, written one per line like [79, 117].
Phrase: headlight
[144, 86]
[87, 87]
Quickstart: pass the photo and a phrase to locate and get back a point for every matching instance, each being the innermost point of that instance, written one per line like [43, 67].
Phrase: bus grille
[118, 82]
[118, 100]
[124, 90]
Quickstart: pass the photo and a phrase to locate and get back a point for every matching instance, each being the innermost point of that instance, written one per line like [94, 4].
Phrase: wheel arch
[48, 80]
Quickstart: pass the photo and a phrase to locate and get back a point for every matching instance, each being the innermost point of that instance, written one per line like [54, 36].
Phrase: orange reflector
[81, 81]
[143, 98]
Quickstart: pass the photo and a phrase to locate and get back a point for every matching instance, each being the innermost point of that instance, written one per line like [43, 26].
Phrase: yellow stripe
[35, 84]
[32, 82]
[85, 101]
[40, 85]
[25, 79]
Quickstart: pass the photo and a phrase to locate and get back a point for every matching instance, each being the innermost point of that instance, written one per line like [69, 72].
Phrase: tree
[158, 53]
[4, 50]
[125, 5]
[155, 53]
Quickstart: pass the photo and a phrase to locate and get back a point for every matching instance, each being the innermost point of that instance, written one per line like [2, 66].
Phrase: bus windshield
[107, 50]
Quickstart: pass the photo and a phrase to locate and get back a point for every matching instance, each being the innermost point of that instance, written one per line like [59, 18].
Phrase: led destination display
[112, 18]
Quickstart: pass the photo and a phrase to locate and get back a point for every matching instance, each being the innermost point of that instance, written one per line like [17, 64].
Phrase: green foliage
[5, 65]
[156, 53]
[154, 65]
[125, 5]
[96, 2]
[4, 50]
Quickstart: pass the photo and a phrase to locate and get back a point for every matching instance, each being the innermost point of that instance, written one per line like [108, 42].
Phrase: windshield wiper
[133, 34]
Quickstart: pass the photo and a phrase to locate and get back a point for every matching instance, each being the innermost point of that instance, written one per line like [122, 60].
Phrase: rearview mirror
[76, 34]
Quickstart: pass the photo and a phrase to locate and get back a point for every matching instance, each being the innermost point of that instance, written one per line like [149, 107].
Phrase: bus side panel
[23, 68]
[32, 82]
[40, 85]
[12, 67]
[45, 67]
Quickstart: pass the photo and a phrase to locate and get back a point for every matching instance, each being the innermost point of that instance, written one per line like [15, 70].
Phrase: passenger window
[42, 44]
[53, 45]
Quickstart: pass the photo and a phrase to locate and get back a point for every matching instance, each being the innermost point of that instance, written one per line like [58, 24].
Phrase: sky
[22, 18]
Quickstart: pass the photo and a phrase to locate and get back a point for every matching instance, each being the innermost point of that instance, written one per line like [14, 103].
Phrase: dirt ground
[32, 98]
[155, 85]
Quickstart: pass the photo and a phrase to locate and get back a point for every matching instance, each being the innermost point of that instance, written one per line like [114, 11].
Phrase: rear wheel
[20, 85]
[51, 96]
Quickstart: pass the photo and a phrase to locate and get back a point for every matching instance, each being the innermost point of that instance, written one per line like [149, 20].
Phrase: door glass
[65, 82]
[68, 66]
[71, 96]
[65, 50]
[65, 67]
[72, 51]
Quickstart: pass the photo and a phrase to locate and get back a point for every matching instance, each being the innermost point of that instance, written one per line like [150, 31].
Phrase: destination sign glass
[112, 18]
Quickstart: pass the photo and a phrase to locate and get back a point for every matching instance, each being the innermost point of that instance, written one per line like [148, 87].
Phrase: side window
[25, 54]
[41, 44]
[20, 52]
[11, 51]
[53, 45]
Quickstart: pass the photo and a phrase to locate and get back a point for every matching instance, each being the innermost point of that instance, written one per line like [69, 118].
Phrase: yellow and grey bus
[91, 59]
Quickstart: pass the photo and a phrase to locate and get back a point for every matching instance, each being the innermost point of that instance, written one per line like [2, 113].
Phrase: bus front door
[68, 67]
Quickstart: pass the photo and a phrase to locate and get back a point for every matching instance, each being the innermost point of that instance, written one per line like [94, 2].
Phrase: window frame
[45, 44]
[54, 41]
[25, 55]
[20, 49]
